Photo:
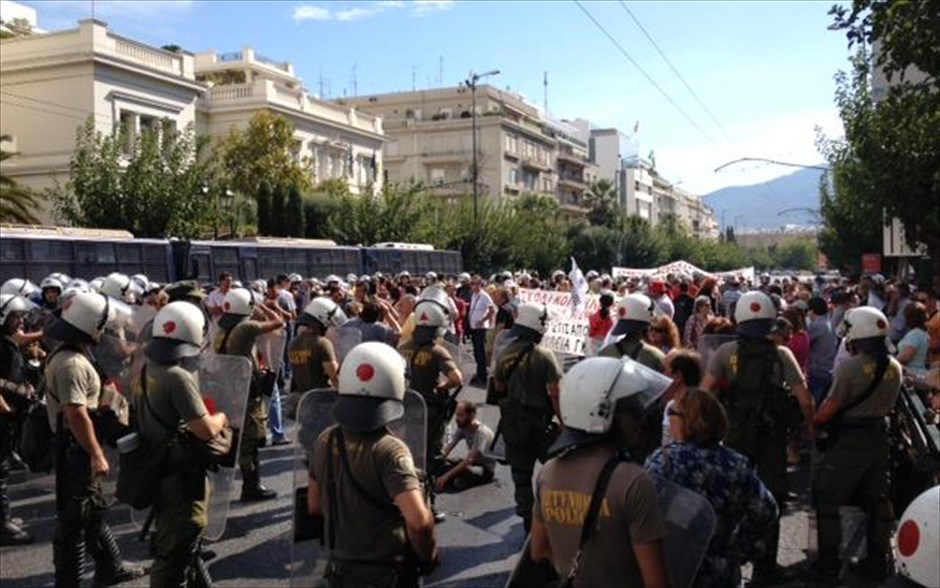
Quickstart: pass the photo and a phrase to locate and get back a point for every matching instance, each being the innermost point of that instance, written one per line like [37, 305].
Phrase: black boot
[199, 572]
[68, 557]
[10, 534]
[110, 569]
[252, 490]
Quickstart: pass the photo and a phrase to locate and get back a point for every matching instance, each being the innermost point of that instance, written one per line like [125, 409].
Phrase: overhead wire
[648, 77]
[674, 70]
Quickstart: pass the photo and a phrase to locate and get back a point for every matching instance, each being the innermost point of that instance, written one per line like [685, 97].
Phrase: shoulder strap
[143, 392]
[515, 362]
[389, 509]
[623, 351]
[223, 348]
[331, 492]
[590, 519]
[875, 382]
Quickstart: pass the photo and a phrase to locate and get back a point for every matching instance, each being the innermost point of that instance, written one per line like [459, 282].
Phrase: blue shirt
[744, 508]
[918, 339]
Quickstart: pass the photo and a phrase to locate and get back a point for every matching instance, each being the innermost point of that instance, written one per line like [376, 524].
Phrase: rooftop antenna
[320, 83]
[440, 71]
[355, 81]
[414, 82]
[545, 85]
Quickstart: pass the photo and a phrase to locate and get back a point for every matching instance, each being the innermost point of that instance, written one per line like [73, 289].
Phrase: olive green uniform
[241, 342]
[767, 450]
[182, 502]
[70, 378]
[307, 353]
[369, 542]
[426, 364]
[856, 467]
[636, 349]
[526, 414]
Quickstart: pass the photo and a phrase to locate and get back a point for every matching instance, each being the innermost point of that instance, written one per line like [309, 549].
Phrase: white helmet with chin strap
[178, 332]
[116, 285]
[10, 303]
[533, 316]
[53, 281]
[84, 317]
[238, 301]
[864, 322]
[371, 387]
[324, 311]
[19, 287]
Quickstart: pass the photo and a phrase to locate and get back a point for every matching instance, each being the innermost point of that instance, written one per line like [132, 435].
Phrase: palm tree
[601, 199]
[17, 203]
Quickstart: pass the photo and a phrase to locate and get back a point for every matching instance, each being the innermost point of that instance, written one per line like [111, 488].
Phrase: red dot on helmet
[881, 324]
[169, 327]
[755, 307]
[623, 312]
[423, 318]
[908, 538]
[365, 372]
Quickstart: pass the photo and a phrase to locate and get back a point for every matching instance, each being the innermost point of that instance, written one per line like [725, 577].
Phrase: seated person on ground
[476, 467]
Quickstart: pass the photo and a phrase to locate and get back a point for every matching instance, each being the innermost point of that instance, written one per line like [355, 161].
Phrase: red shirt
[599, 326]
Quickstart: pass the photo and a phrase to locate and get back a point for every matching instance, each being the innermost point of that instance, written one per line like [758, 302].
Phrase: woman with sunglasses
[698, 460]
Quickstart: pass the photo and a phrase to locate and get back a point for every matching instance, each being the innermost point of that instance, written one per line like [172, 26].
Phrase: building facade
[518, 149]
[340, 142]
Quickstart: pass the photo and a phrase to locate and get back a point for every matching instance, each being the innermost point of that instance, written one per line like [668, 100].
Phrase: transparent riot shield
[140, 320]
[271, 348]
[708, 344]
[500, 343]
[309, 552]
[690, 524]
[461, 358]
[343, 339]
[224, 381]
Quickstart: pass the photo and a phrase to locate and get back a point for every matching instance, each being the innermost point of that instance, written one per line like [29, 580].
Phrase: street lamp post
[471, 82]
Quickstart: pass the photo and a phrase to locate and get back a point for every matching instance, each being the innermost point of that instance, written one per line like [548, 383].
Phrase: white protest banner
[629, 272]
[567, 331]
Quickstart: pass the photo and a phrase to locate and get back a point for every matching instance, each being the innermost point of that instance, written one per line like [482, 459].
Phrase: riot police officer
[311, 354]
[364, 483]
[168, 396]
[236, 336]
[432, 371]
[758, 381]
[855, 466]
[634, 315]
[73, 388]
[15, 395]
[527, 376]
[602, 400]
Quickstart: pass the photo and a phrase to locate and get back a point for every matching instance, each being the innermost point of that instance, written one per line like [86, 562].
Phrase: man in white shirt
[214, 302]
[476, 467]
[482, 311]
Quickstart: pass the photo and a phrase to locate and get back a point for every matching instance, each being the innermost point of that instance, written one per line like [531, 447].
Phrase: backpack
[757, 405]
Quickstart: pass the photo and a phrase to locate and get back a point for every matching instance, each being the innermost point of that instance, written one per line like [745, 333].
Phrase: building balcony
[535, 164]
[571, 182]
[247, 58]
[573, 159]
[265, 92]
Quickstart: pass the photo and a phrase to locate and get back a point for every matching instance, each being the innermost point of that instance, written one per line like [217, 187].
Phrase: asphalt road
[481, 536]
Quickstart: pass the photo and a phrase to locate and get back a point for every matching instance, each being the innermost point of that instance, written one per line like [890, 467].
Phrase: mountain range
[787, 200]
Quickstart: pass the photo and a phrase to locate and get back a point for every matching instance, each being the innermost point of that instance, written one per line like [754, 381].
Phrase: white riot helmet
[864, 322]
[95, 284]
[351, 278]
[431, 277]
[463, 278]
[590, 391]
[140, 284]
[430, 313]
[52, 281]
[116, 285]
[634, 314]
[84, 318]
[918, 539]
[260, 286]
[19, 287]
[322, 311]
[754, 313]
[11, 303]
[533, 316]
[371, 387]
[295, 278]
[178, 332]
[236, 307]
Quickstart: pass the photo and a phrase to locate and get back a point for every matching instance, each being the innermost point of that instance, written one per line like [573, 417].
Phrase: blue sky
[763, 69]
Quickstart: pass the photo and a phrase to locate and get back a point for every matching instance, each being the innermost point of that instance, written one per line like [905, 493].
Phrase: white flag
[579, 288]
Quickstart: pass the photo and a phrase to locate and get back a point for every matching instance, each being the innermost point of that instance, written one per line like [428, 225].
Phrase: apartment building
[52, 83]
[341, 142]
[518, 149]
[688, 210]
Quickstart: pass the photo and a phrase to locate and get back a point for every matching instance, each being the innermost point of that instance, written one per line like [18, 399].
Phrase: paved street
[480, 537]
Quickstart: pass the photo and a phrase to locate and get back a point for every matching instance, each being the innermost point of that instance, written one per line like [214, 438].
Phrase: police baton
[142, 536]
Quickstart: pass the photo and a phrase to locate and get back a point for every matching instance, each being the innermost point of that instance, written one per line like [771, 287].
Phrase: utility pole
[414, 73]
[545, 85]
[355, 81]
[472, 83]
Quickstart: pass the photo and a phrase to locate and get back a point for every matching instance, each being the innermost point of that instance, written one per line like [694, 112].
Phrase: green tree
[640, 245]
[18, 204]
[294, 216]
[593, 247]
[264, 151]
[601, 200]
[893, 147]
[278, 209]
[155, 187]
[264, 208]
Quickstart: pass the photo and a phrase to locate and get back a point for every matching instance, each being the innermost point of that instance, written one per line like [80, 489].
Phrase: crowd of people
[759, 376]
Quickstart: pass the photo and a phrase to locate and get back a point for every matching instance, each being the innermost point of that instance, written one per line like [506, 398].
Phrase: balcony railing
[231, 56]
[535, 164]
[153, 57]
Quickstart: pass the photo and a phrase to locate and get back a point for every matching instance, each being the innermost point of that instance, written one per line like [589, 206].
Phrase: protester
[913, 347]
[663, 334]
[476, 467]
